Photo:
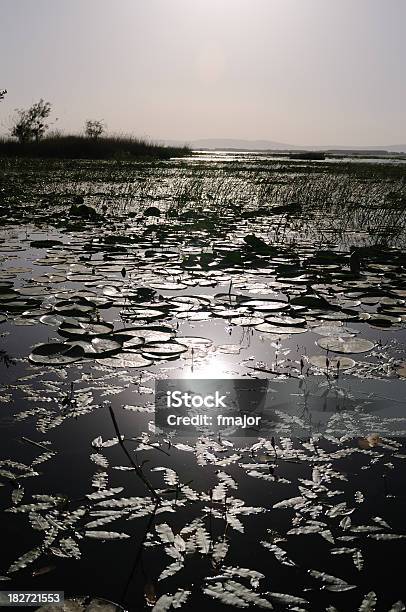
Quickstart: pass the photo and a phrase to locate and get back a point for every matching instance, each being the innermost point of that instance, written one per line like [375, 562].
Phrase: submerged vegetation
[116, 274]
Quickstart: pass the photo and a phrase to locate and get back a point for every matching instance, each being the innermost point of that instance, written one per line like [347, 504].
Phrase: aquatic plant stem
[137, 469]
[140, 550]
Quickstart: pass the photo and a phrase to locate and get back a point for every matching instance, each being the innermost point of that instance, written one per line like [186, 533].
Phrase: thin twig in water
[136, 467]
[140, 550]
[36, 444]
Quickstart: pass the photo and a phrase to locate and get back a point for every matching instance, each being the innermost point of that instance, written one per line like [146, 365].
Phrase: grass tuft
[82, 147]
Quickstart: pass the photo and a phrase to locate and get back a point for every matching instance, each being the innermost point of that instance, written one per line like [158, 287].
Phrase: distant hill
[270, 145]
[245, 145]
[236, 144]
[396, 148]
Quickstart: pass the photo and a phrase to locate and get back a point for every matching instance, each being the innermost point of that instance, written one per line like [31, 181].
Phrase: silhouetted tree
[94, 128]
[30, 124]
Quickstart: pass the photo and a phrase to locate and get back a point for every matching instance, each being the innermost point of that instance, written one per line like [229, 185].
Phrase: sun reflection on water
[209, 367]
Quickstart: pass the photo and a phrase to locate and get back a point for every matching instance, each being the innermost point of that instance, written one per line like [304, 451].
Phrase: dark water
[314, 303]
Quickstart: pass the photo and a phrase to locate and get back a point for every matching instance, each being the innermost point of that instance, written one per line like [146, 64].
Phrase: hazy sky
[295, 71]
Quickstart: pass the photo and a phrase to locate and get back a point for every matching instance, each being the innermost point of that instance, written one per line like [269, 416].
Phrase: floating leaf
[275, 330]
[163, 349]
[85, 329]
[219, 552]
[99, 460]
[288, 599]
[219, 592]
[358, 560]
[236, 594]
[17, 495]
[172, 569]
[399, 606]
[332, 582]
[125, 360]
[56, 353]
[203, 540]
[25, 560]
[345, 345]
[368, 603]
[333, 365]
[165, 533]
[386, 536]
[106, 535]
[104, 493]
[165, 602]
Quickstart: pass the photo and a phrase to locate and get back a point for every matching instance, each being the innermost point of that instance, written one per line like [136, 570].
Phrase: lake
[115, 275]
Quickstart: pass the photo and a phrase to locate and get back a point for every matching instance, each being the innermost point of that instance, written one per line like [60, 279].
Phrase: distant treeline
[83, 147]
[29, 138]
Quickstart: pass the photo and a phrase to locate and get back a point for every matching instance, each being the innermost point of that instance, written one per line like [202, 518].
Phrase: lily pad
[45, 244]
[56, 353]
[337, 363]
[334, 330]
[168, 286]
[247, 321]
[85, 329]
[83, 604]
[8, 296]
[194, 316]
[227, 313]
[383, 321]
[164, 348]
[49, 278]
[71, 309]
[131, 343]
[146, 313]
[99, 346]
[346, 345]
[401, 370]
[285, 320]
[51, 320]
[126, 360]
[229, 349]
[265, 305]
[5, 287]
[132, 336]
[274, 329]
[34, 290]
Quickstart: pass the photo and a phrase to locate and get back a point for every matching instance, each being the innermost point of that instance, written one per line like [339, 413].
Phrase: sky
[304, 72]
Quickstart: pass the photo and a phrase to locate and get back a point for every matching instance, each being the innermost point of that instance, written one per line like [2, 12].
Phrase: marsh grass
[81, 147]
